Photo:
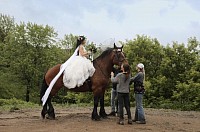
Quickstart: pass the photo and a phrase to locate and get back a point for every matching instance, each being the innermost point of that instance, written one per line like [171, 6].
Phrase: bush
[15, 104]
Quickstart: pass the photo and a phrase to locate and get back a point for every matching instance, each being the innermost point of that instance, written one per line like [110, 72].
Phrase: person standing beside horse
[139, 92]
[114, 100]
[123, 89]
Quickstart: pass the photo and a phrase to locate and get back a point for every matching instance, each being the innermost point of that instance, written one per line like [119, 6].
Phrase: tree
[31, 50]
[147, 51]
[69, 44]
[172, 72]
[188, 82]
[6, 26]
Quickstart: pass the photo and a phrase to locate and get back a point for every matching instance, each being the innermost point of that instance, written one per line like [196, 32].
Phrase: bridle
[118, 59]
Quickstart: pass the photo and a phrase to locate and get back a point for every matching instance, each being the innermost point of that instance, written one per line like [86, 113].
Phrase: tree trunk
[27, 93]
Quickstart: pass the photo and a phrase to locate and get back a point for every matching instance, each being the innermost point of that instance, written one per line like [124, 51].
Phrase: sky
[121, 20]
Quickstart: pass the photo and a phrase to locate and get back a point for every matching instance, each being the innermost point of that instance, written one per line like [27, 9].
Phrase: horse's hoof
[43, 114]
[50, 118]
[96, 118]
[104, 115]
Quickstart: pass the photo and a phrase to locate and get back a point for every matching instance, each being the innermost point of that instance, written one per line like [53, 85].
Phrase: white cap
[140, 65]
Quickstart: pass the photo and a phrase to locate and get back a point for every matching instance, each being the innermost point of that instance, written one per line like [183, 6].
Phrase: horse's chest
[101, 82]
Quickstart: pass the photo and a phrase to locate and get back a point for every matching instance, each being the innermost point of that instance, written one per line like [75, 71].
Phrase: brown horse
[97, 83]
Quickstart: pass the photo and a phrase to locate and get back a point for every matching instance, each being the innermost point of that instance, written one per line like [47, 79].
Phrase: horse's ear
[122, 46]
[115, 47]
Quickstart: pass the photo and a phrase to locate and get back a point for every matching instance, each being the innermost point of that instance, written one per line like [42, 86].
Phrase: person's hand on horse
[89, 52]
[112, 74]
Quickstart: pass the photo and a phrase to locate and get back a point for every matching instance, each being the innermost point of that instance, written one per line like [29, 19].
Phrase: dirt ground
[78, 119]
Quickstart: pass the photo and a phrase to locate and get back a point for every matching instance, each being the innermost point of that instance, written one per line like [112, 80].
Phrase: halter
[118, 59]
[117, 55]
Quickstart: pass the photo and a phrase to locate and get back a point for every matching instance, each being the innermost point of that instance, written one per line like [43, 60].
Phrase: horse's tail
[43, 89]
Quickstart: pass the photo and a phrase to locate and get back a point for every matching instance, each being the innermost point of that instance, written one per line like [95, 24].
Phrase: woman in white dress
[80, 68]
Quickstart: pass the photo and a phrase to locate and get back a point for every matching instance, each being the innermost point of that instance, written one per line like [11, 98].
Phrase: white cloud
[99, 20]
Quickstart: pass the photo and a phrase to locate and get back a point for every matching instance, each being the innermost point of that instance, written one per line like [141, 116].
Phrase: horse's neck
[105, 65]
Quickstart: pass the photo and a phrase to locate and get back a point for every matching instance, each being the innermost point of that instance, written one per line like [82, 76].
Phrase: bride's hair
[80, 39]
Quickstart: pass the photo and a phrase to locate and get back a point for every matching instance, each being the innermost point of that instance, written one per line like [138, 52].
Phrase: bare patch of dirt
[78, 119]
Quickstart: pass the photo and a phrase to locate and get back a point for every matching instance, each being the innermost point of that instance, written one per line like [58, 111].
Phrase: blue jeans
[139, 112]
[124, 101]
[114, 101]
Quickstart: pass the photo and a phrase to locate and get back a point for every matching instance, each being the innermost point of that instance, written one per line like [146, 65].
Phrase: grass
[15, 104]
[64, 105]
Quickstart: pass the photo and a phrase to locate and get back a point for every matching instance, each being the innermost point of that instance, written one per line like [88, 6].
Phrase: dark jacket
[138, 83]
[115, 71]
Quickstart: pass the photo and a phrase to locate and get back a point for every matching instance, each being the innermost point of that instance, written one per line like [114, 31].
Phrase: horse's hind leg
[95, 115]
[102, 112]
[50, 111]
[44, 111]
[42, 92]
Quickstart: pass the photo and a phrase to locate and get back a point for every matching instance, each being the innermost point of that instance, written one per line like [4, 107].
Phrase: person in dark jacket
[139, 90]
[123, 89]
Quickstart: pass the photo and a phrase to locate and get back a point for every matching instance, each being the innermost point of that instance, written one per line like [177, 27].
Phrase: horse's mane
[105, 53]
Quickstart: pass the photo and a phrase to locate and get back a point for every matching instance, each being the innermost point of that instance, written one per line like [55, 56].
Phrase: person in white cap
[139, 90]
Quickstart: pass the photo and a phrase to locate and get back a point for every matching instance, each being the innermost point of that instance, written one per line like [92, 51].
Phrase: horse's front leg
[95, 115]
[102, 112]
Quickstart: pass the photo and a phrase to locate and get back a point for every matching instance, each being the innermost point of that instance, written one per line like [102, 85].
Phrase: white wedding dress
[78, 71]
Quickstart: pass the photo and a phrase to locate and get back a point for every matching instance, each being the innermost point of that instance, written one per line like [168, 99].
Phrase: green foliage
[6, 26]
[28, 50]
[68, 44]
[10, 86]
[74, 98]
[32, 51]
[92, 47]
[172, 72]
[147, 51]
[15, 104]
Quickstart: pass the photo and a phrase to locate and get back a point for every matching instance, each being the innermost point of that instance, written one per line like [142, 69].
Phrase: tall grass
[15, 104]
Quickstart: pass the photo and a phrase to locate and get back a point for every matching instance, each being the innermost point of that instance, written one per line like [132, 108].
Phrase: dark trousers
[124, 101]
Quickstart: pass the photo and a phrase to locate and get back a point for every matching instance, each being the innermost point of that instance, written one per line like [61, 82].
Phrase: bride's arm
[82, 52]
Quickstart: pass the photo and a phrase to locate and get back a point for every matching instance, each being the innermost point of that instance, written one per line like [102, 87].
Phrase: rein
[106, 76]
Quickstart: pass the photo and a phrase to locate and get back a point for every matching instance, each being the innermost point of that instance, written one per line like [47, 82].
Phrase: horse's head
[118, 56]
